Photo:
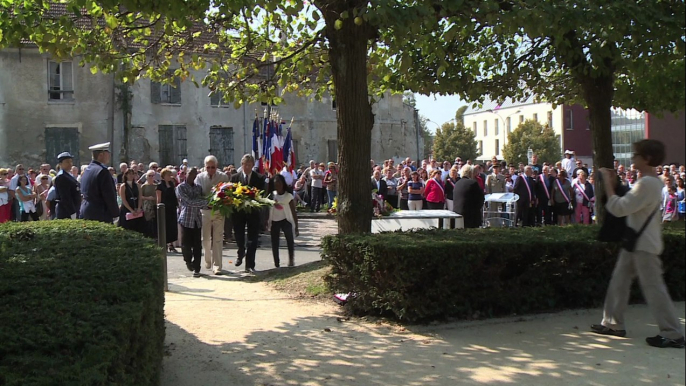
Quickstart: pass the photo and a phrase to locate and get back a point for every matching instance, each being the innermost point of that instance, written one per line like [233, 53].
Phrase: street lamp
[529, 156]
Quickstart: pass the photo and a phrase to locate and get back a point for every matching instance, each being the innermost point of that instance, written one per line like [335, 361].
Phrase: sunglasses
[210, 167]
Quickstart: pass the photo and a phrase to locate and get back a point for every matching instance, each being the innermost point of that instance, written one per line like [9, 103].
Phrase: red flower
[221, 194]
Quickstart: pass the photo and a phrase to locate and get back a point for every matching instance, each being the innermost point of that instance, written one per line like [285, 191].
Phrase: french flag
[276, 150]
[256, 139]
[264, 156]
[289, 150]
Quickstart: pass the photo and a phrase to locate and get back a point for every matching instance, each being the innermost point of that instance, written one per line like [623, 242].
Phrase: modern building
[47, 107]
[492, 123]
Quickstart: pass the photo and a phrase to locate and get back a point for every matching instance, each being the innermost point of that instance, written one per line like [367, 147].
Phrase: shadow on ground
[323, 350]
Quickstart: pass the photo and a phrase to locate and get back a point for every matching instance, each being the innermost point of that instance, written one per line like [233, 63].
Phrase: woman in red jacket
[434, 191]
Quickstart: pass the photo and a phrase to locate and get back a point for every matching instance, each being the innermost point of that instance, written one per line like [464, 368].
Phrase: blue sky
[439, 110]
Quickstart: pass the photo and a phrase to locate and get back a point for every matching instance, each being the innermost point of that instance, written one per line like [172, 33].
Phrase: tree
[454, 140]
[318, 47]
[459, 114]
[427, 138]
[532, 135]
[626, 54]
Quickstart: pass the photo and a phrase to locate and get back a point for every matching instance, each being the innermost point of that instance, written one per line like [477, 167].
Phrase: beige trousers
[212, 238]
[648, 268]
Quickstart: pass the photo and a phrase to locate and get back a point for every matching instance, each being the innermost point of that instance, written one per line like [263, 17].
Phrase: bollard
[162, 241]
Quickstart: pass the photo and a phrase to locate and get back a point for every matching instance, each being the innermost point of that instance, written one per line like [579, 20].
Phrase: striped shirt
[191, 201]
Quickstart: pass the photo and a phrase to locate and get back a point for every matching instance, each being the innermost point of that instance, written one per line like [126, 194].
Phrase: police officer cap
[100, 147]
[64, 155]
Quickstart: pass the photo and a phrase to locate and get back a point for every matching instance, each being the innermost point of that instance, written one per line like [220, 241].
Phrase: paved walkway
[222, 330]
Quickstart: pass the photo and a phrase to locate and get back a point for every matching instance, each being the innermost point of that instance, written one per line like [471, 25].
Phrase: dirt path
[230, 332]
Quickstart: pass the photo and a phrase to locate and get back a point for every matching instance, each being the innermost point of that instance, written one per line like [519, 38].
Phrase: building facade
[571, 123]
[47, 107]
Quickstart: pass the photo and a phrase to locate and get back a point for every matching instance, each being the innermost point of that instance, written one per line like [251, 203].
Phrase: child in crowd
[670, 212]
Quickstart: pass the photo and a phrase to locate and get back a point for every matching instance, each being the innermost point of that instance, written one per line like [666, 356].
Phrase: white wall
[517, 114]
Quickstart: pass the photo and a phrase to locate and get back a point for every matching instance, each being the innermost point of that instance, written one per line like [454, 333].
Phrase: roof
[493, 105]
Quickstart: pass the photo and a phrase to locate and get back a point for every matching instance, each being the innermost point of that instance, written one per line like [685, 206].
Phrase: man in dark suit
[379, 184]
[66, 189]
[97, 186]
[544, 186]
[240, 219]
[526, 205]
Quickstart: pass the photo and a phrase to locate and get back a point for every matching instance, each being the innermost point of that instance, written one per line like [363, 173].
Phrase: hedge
[473, 273]
[81, 303]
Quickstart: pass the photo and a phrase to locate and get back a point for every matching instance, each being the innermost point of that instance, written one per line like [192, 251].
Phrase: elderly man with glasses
[212, 223]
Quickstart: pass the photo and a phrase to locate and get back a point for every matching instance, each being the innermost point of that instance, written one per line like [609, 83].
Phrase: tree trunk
[348, 57]
[598, 93]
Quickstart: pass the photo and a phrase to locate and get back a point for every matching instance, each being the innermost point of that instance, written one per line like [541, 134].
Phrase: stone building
[47, 107]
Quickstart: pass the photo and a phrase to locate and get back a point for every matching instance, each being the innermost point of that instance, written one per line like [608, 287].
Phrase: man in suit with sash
[526, 205]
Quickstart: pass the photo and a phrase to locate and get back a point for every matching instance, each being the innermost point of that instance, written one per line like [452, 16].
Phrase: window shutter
[175, 91]
[154, 92]
[67, 81]
[180, 146]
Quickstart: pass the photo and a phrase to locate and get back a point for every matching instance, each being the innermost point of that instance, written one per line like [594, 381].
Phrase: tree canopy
[454, 139]
[539, 138]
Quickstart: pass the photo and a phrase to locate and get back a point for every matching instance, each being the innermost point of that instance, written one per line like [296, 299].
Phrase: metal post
[162, 241]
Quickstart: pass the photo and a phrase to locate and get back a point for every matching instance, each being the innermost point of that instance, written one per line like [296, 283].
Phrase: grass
[304, 281]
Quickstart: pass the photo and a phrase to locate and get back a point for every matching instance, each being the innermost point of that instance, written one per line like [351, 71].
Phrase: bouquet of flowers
[381, 208]
[334, 207]
[227, 198]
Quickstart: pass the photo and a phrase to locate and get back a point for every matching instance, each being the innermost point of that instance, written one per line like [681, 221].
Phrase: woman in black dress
[166, 194]
[131, 202]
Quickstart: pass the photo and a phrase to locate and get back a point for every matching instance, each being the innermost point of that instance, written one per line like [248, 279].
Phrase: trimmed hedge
[81, 303]
[473, 273]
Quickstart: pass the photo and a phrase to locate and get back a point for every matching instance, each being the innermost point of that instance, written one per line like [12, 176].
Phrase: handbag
[613, 228]
[132, 216]
[631, 236]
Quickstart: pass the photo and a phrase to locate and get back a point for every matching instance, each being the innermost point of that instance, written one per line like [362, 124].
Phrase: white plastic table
[417, 219]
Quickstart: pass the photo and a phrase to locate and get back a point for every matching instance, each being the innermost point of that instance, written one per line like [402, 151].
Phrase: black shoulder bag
[631, 236]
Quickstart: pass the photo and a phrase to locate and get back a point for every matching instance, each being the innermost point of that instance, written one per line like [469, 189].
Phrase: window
[481, 147]
[535, 117]
[166, 93]
[474, 126]
[497, 147]
[550, 119]
[485, 128]
[497, 127]
[569, 120]
[333, 104]
[521, 119]
[509, 124]
[217, 100]
[60, 81]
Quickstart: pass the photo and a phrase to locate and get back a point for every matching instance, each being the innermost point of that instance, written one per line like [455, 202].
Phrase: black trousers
[25, 216]
[435, 205]
[252, 221]
[527, 214]
[316, 198]
[287, 228]
[403, 204]
[191, 246]
[544, 214]
[393, 200]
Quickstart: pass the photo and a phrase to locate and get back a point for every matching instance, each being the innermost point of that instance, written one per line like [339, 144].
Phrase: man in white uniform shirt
[212, 224]
[568, 162]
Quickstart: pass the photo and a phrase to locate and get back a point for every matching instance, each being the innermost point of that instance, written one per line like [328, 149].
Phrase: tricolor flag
[264, 160]
[276, 151]
[289, 151]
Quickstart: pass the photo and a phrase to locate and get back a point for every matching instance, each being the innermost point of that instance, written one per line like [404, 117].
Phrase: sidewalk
[223, 330]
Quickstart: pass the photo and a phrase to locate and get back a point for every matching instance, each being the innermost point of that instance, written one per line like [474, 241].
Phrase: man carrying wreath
[251, 178]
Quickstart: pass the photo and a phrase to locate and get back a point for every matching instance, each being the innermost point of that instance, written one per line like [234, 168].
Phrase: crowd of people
[549, 194]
